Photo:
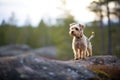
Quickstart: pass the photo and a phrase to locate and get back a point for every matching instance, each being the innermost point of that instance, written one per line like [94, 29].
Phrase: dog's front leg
[75, 53]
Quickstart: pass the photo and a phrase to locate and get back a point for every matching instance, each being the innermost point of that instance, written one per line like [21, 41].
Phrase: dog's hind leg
[89, 50]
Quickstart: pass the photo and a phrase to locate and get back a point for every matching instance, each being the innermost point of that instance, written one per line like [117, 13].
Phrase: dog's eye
[76, 29]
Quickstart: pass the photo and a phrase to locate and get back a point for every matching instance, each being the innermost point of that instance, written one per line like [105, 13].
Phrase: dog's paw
[87, 55]
[84, 58]
[76, 58]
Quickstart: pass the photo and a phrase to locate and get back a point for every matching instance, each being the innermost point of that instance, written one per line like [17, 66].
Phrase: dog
[81, 45]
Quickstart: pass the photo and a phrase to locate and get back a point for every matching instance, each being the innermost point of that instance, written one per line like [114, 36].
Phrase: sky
[35, 10]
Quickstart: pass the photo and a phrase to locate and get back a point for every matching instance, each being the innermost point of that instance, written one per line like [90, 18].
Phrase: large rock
[29, 67]
[13, 50]
[19, 62]
[16, 50]
[50, 51]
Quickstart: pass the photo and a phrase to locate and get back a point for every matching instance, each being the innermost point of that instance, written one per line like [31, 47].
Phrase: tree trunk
[119, 19]
[109, 31]
[102, 30]
[119, 11]
[102, 35]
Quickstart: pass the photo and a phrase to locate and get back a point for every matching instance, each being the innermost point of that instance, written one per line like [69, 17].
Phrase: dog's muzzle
[72, 33]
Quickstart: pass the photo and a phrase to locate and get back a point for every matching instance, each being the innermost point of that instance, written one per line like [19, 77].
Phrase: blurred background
[41, 26]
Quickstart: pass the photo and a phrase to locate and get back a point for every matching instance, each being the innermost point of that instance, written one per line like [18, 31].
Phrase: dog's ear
[82, 26]
[72, 24]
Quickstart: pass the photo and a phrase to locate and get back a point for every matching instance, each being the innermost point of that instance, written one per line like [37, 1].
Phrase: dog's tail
[93, 34]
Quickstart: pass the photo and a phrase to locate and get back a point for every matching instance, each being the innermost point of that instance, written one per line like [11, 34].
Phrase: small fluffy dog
[81, 45]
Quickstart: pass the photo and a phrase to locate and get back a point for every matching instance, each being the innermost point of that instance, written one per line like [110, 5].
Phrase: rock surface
[29, 67]
[107, 60]
[22, 63]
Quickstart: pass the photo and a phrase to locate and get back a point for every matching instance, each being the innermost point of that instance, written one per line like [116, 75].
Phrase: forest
[105, 42]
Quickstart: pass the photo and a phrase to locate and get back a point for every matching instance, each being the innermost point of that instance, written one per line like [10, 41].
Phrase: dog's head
[76, 30]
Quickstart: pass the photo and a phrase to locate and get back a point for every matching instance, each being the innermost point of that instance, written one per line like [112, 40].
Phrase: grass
[106, 72]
